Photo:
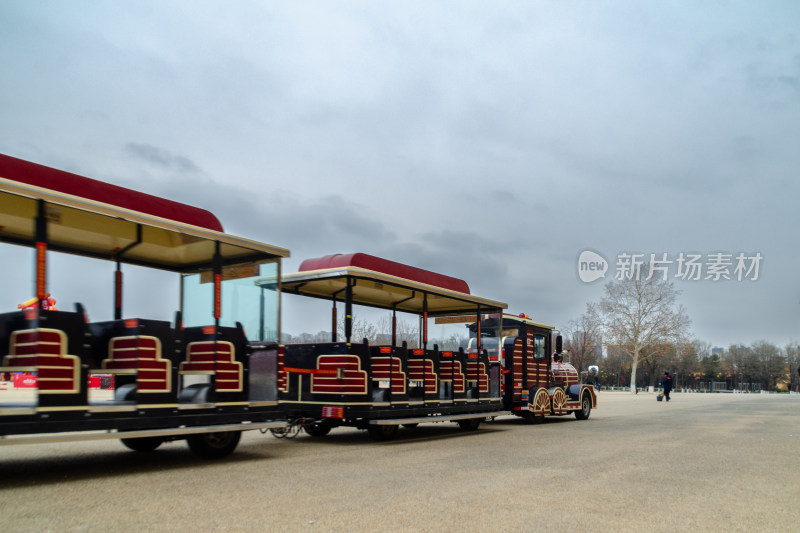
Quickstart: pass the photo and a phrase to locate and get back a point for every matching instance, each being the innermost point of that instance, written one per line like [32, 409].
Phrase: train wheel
[214, 445]
[470, 424]
[586, 407]
[378, 432]
[143, 444]
[541, 403]
[559, 402]
[317, 429]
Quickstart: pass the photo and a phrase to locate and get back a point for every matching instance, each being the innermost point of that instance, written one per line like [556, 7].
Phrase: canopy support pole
[348, 311]
[217, 284]
[478, 319]
[41, 254]
[394, 325]
[425, 321]
[334, 323]
[394, 316]
[118, 273]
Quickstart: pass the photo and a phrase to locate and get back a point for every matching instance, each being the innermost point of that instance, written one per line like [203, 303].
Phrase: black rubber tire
[143, 444]
[531, 418]
[586, 407]
[317, 429]
[470, 424]
[377, 432]
[214, 445]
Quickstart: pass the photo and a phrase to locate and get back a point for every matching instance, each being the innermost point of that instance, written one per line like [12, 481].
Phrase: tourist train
[219, 367]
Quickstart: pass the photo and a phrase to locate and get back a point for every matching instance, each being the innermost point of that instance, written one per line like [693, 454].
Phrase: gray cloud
[161, 158]
[490, 143]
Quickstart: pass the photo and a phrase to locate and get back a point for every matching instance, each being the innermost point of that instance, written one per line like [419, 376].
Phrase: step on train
[219, 368]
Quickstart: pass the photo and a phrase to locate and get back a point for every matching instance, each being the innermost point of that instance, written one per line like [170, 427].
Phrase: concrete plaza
[702, 462]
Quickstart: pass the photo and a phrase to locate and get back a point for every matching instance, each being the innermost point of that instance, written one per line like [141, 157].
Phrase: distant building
[716, 350]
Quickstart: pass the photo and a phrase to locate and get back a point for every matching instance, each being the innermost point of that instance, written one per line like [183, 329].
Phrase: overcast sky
[491, 141]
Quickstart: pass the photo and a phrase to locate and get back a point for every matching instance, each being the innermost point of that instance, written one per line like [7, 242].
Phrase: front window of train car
[490, 344]
[490, 338]
[254, 306]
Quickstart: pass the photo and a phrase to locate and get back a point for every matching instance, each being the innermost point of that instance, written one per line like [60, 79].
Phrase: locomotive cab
[535, 384]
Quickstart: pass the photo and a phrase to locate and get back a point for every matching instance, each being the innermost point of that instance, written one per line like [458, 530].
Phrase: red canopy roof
[370, 262]
[67, 183]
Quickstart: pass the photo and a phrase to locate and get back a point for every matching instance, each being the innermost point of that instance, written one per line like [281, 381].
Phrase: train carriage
[378, 388]
[200, 378]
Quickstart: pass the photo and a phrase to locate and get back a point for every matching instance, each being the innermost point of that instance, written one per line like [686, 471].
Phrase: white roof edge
[388, 278]
[528, 321]
[93, 206]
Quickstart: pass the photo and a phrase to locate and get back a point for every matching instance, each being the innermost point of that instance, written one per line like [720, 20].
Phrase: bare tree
[742, 363]
[662, 357]
[583, 340]
[711, 367]
[699, 349]
[360, 329]
[792, 352]
[405, 331]
[689, 355]
[640, 315]
[615, 366]
[320, 336]
[771, 364]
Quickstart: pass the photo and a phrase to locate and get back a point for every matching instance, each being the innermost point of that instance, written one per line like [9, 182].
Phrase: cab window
[538, 347]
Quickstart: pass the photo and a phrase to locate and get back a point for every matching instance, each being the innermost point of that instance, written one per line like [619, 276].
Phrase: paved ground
[700, 463]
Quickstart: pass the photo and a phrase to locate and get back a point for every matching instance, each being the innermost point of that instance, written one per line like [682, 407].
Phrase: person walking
[667, 384]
